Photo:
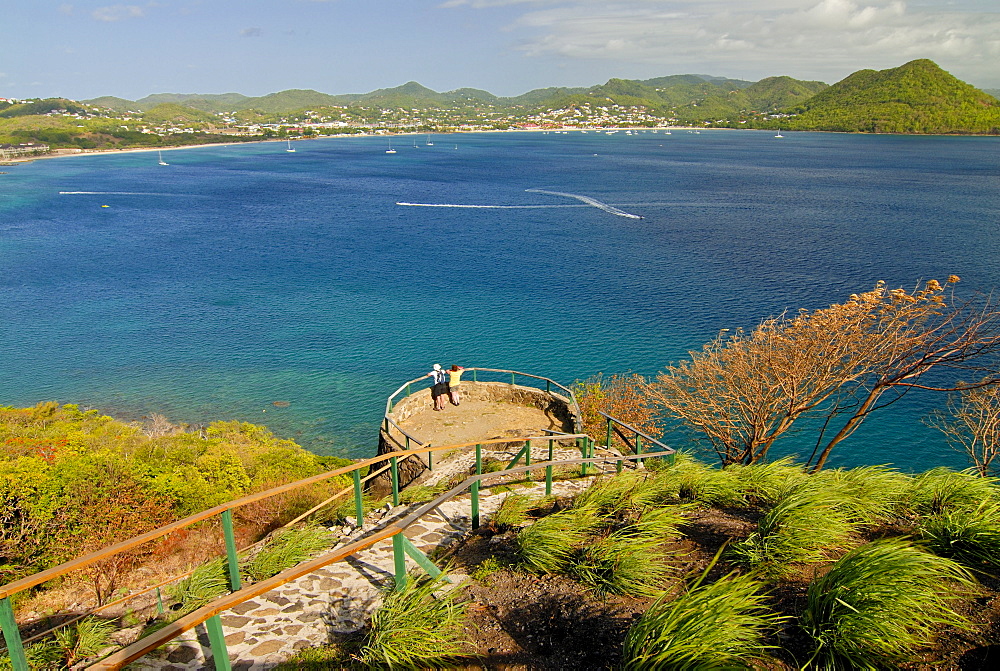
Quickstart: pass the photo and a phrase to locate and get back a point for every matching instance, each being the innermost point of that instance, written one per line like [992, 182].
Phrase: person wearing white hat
[440, 387]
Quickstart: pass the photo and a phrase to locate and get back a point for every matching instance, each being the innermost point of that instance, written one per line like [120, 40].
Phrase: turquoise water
[242, 275]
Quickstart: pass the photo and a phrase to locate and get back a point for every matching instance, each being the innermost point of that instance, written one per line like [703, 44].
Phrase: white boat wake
[593, 202]
[486, 207]
[586, 200]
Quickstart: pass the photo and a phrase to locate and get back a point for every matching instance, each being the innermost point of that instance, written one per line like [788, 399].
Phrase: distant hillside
[993, 92]
[918, 97]
[41, 107]
[767, 95]
[174, 113]
[113, 103]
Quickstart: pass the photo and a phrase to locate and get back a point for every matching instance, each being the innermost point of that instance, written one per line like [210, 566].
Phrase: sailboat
[429, 143]
[162, 162]
[290, 146]
[390, 150]
[415, 143]
[779, 134]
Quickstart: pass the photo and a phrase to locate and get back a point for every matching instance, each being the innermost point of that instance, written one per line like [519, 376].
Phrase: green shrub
[805, 525]
[415, 628]
[968, 535]
[619, 495]
[879, 602]
[690, 480]
[716, 626]
[513, 512]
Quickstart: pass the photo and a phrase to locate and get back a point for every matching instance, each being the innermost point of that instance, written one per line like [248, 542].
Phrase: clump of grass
[486, 568]
[619, 495]
[765, 483]
[879, 602]
[804, 526]
[623, 562]
[875, 493]
[284, 550]
[940, 489]
[715, 626]
[513, 512]
[548, 545]
[968, 535]
[207, 583]
[68, 646]
[690, 480]
[415, 628]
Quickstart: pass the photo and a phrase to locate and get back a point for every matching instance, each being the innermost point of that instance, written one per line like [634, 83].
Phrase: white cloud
[824, 39]
[118, 12]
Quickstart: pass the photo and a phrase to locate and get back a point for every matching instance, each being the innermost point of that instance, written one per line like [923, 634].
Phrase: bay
[244, 274]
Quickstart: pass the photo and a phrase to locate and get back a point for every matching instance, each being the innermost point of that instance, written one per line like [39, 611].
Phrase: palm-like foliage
[805, 525]
[969, 535]
[879, 602]
[716, 626]
[415, 628]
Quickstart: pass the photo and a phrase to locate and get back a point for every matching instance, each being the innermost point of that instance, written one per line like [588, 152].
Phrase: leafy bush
[715, 626]
[879, 602]
[415, 628]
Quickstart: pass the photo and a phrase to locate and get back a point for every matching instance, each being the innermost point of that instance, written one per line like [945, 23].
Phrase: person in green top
[454, 379]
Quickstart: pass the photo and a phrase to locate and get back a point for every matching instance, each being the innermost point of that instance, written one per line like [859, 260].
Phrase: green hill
[918, 97]
[113, 103]
[41, 107]
[767, 95]
[174, 113]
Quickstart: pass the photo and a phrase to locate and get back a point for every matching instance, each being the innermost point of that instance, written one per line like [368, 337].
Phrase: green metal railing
[635, 444]
[424, 382]
[377, 466]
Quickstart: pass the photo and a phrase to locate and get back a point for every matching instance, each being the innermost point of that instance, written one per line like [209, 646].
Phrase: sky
[83, 49]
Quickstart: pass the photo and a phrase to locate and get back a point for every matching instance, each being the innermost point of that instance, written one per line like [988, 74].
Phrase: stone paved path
[269, 629]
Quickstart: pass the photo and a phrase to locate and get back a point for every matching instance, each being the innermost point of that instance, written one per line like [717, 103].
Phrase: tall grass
[548, 545]
[620, 495]
[715, 626]
[207, 583]
[690, 480]
[513, 512]
[940, 489]
[879, 602]
[874, 493]
[969, 535]
[415, 628]
[623, 562]
[285, 549]
[804, 526]
[765, 483]
[68, 646]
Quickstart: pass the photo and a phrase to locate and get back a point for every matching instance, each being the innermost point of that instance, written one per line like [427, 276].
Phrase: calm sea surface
[242, 275]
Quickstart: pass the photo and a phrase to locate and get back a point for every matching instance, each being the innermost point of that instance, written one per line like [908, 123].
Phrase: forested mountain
[918, 97]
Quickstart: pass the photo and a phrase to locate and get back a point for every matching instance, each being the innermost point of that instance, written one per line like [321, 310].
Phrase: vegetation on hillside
[73, 481]
[918, 97]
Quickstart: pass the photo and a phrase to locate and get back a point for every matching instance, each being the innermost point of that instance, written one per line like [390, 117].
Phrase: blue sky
[83, 49]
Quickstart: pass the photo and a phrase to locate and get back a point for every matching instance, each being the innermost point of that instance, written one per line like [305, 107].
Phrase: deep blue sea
[241, 275]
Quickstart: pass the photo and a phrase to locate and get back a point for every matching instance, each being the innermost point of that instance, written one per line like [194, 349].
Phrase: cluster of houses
[25, 149]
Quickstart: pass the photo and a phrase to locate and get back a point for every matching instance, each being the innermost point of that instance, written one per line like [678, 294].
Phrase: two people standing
[446, 383]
